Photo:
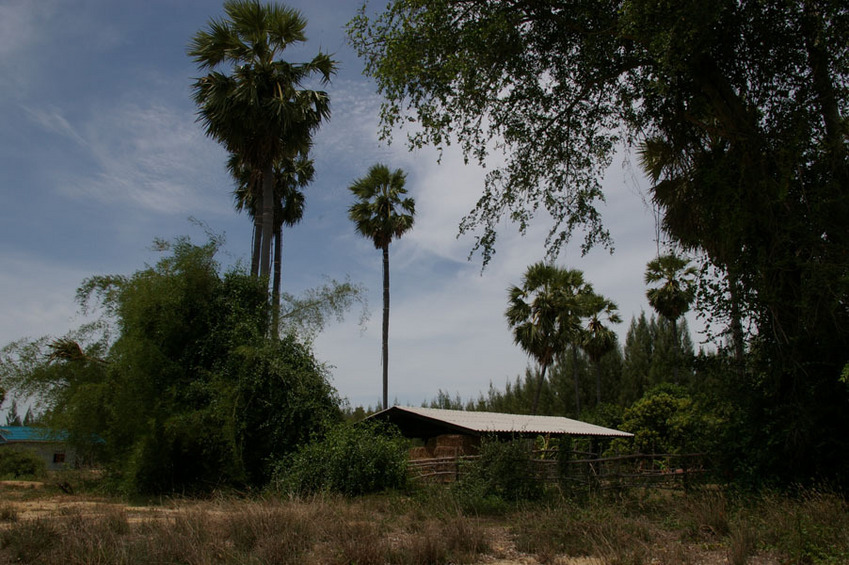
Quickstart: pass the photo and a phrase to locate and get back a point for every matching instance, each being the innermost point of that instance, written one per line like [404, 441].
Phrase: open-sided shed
[426, 423]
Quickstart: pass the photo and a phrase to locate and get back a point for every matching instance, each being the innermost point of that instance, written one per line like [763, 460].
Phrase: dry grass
[429, 528]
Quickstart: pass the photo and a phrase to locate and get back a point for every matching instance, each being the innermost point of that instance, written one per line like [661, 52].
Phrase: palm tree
[545, 314]
[289, 176]
[696, 217]
[381, 214]
[598, 339]
[259, 112]
[675, 290]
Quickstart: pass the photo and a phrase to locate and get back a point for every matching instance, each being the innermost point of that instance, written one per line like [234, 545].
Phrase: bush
[668, 420]
[351, 460]
[21, 464]
[503, 473]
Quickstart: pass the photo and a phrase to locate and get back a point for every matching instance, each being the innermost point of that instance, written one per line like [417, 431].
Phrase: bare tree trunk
[275, 288]
[256, 244]
[597, 364]
[540, 381]
[267, 220]
[675, 351]
[386, 326]
[575, 378]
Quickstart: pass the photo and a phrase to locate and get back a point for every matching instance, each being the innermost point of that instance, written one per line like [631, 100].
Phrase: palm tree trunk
[256, 244]
[675, 351]
[267, 220]
[736, 325]
[539, 388]
[386, 326]
[275, 288]
[597, 364]
[575, 378]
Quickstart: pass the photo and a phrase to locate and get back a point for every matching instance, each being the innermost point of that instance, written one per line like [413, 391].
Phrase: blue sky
[100, 154]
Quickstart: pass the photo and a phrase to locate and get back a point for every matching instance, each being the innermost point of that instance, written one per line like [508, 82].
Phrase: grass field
[41, 524]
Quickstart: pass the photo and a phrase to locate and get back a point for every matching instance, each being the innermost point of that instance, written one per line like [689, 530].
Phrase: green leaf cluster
[502, 473]
[21, 464]
[351, 459]
[191, 394]
[668, 420]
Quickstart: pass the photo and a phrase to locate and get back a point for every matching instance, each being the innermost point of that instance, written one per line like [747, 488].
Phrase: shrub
[21, 464]
[28, 541]
[813, 528]
[351, 460]
[596, 529]
[668, 420]
[502, 473]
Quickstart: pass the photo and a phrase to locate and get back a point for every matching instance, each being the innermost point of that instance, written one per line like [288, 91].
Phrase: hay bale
[446, 451]
[466, 445]
[450, 440]
[417, 453]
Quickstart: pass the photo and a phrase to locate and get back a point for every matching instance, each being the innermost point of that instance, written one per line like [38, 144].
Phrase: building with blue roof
[50, 445]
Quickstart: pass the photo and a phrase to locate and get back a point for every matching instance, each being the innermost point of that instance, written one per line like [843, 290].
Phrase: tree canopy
[187, 390]
[738, 109]
[259, 111]
[545, 314]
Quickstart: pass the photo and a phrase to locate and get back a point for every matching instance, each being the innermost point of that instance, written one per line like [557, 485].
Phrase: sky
[100, 153]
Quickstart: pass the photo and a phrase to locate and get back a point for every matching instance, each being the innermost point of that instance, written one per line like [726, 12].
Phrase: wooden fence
[583, 470]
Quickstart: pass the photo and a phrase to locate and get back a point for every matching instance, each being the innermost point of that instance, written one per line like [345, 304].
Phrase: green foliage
[351, 459]
[738, 111]
[444, 401]
[651, 355]
[545, 314]
[381, 211]
[306, 315]
[259, 111]
[192, 394]
[674, 289]
[21, 464]
[503, 473]
[668, 420]
[12, 416]
[557, 395]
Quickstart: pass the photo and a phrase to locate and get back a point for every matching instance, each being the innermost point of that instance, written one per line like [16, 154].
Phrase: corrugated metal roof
[11, 434]
[493, 422]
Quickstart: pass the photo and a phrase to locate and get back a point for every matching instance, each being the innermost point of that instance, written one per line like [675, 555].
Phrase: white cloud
[19, 23]
[152, 156]
[52, 120]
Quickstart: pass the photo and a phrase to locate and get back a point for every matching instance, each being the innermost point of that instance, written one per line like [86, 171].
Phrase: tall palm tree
[381, 214]
[697, 217]
[258, 111]
[599, 339]
[545, 314]
[290, 175]
[674, 291]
